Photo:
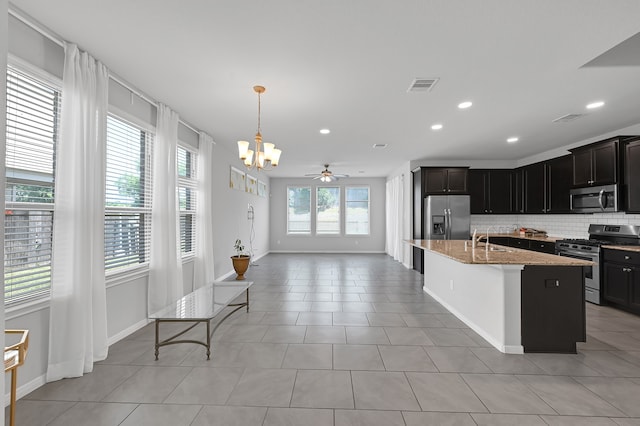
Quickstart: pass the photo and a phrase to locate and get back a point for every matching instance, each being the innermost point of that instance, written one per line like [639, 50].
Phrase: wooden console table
[201, 306]
[14, 357]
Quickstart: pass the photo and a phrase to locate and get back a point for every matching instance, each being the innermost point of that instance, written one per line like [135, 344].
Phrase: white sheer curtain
[165, 266]
[395, 217]
[203, 267]
[78, 318]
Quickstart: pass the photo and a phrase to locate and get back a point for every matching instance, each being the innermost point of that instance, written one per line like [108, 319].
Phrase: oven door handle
[602, 200]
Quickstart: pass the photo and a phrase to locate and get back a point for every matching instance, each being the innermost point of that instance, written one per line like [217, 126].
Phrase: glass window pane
[299, 210]
[328, 210]
[125, 177]
[357, 211]
[27, 258]
[33, 108]
[128, 195]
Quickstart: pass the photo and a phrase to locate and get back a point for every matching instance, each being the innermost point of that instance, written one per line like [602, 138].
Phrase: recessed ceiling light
[325, 131]
[436, 126]
[594, 105]
[465, 104]
[512, 140]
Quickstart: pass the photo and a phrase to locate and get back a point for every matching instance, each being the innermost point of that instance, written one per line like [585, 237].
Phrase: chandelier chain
[258, 112]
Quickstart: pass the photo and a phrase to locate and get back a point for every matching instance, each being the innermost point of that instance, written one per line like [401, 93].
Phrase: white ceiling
[346, 65]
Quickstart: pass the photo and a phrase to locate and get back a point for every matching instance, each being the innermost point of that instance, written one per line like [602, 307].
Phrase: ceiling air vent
[379, 145]
[567, 118]
[422, 84]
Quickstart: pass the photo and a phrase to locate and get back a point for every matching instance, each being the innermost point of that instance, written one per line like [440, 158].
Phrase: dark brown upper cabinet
[534, 188]
[446, 180]
[491, 191]
[558, 175]
[632, 175]
[546, 185]
[596, 164]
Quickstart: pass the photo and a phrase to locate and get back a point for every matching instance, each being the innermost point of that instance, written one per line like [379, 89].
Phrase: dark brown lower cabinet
[552, 308]
[621, 279]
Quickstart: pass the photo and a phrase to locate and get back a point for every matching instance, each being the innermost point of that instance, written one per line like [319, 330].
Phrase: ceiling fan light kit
[265, 156]
[327, 175]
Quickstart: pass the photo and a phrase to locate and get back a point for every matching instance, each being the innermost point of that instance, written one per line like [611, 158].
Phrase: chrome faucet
[479, 237]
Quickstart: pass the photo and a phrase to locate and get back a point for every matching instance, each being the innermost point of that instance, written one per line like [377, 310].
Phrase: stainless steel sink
[500, 249]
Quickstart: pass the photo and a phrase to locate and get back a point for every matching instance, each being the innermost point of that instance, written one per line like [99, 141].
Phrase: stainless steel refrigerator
[447, 217]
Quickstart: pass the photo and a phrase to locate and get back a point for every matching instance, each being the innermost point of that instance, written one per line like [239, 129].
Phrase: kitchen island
[518, 300]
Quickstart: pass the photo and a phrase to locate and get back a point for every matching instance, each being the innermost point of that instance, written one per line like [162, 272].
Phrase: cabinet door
[534, 188]
[499, 191]
[605, 161]
[634, 287]
[632, 176]
[457, 180]
[542, 246]
[581, 167]
[435, 181]
[558, 185]
[561, 323]
[517, 191]
[521, 243]
[478, 191]
[616, 286]
[418, 196]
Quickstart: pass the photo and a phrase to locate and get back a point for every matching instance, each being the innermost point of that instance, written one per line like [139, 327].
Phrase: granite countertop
[625, 248]
[517, 235]
[455, 249]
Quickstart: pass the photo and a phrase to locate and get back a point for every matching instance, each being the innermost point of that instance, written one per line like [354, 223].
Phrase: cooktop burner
[600, 235]
[584, 242]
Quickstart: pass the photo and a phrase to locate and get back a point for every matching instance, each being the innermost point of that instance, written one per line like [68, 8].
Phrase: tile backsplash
[556, 225]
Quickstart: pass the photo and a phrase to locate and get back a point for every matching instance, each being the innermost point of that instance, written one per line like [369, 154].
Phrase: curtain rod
[41, 29]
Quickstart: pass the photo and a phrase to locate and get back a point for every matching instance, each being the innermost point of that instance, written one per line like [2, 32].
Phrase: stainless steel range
[599, 235]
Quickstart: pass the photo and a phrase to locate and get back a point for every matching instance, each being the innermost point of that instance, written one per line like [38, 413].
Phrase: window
[357, 210]
[127, 224]
[187, 189]
[327, 210]
[299, 210]
[33, 108]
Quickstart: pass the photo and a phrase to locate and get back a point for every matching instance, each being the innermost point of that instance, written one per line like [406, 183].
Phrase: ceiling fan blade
[312, 175]
[317, 177]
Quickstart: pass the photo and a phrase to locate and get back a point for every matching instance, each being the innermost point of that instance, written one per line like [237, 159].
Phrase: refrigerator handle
[447, 224]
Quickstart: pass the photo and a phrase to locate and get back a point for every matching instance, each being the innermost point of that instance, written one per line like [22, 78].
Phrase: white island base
[485, 297]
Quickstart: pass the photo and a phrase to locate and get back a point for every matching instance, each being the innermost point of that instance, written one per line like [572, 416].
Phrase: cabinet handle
[627, 258]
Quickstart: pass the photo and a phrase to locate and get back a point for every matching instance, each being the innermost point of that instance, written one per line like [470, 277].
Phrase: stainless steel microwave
[595, 199]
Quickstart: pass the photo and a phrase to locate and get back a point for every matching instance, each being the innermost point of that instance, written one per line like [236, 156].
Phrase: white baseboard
[327, 252]
[507, 349]
[26, 389]
[127, 331]
[231, 273]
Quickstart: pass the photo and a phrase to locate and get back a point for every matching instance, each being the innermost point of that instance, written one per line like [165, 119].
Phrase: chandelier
[265, 154]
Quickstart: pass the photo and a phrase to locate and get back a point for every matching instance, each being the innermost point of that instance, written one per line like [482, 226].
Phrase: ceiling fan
[326, 175]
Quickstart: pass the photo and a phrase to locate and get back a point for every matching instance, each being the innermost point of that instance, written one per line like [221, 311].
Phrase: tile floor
[350, 340]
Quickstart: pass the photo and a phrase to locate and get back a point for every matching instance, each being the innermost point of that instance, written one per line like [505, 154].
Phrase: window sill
[26, 308]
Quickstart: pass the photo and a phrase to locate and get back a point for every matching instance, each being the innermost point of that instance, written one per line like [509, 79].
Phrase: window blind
[127, 226]
[187, 191]
[33, 108]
